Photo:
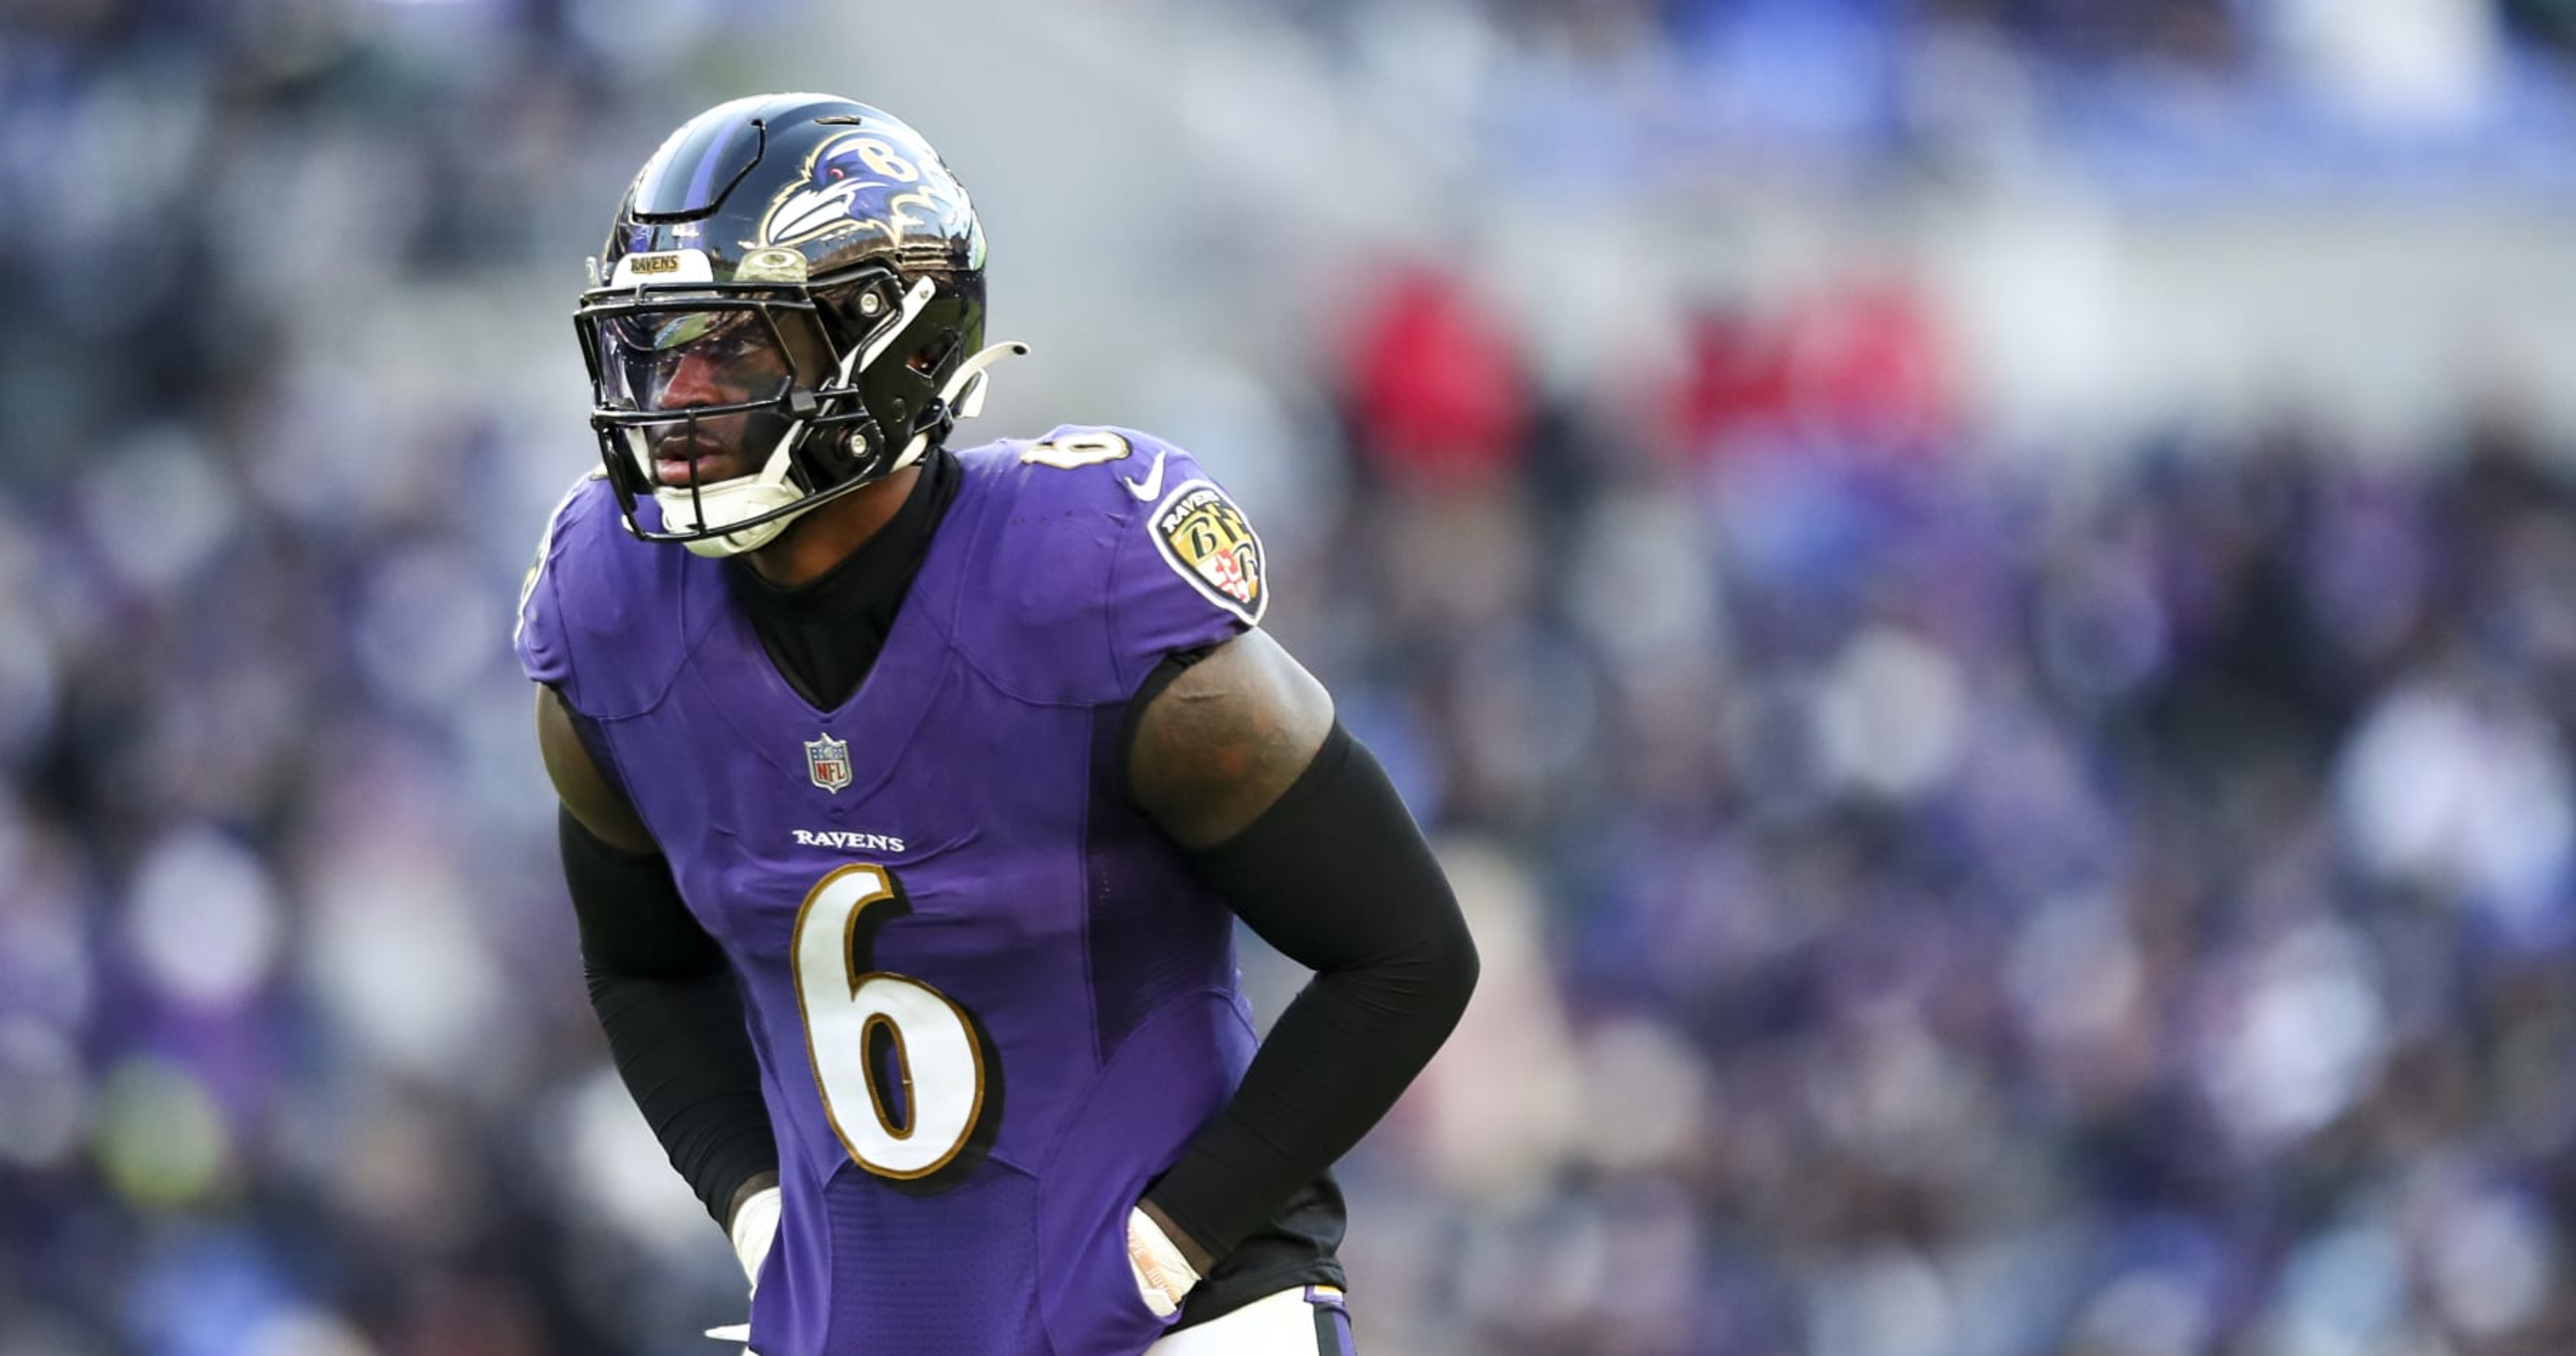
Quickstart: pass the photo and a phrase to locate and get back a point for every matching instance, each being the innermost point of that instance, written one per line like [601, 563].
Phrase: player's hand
[755, 1227]
[1163, 1275]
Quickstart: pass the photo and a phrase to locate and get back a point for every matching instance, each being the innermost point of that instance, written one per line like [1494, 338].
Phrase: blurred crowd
[1953, 909]
[1935, 902]
[2190, 100]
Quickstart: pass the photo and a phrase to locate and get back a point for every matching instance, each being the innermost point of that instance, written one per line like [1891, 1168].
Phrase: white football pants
[1284, 1324]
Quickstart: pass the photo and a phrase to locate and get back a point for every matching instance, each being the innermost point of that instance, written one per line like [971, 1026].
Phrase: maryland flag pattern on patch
[1207, 541]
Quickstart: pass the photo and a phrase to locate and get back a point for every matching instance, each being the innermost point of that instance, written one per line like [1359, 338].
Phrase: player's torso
[928, 829]
[989, 1001]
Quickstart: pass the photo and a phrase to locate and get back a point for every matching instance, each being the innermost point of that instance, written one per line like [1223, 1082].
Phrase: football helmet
[789, 306]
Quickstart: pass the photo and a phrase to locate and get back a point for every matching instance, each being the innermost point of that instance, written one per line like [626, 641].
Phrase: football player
[909, 794]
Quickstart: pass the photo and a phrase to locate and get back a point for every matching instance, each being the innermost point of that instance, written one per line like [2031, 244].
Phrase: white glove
[755, 1228]
[1163, 1275]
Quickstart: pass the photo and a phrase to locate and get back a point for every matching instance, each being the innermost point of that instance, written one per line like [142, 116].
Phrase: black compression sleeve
[1337, 876]
[674, 1020]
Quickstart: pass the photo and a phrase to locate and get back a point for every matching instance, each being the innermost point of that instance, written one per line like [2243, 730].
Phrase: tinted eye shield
[731, 344]
[627, 332]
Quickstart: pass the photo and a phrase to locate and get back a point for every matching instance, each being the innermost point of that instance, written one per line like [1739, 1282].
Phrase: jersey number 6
[907, 1075]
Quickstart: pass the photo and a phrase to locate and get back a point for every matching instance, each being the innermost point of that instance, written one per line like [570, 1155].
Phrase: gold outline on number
[849, 939]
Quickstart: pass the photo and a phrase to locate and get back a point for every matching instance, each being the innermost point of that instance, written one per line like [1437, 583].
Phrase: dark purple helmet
[790, 306]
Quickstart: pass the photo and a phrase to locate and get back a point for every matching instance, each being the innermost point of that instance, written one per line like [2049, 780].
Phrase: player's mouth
[695, 464]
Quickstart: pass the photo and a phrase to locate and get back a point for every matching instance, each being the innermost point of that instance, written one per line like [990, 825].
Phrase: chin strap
[964, 393]
[730, 501]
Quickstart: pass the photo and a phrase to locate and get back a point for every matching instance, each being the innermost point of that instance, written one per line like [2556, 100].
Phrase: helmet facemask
[739, 408]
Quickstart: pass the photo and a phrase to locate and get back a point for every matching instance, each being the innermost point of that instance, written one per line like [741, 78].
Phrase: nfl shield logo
[829, 760]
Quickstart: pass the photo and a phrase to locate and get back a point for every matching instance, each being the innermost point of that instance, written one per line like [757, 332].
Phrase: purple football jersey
[989, 999]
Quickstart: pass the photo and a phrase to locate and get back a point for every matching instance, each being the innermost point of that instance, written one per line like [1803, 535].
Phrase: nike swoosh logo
[1152, 485]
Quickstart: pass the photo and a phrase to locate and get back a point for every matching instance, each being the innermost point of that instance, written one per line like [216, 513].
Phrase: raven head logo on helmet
[790, 306]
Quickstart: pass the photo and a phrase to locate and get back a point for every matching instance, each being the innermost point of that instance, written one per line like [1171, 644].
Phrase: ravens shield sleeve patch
[1207, 541]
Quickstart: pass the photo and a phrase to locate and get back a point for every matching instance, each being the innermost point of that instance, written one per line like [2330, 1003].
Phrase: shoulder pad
[606, 619]
[1110, 549]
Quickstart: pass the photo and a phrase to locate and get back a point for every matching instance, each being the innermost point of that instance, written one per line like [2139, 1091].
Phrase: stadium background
[1981, 595]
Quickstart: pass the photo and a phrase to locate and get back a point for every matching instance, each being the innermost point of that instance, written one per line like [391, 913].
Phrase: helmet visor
[696, 357]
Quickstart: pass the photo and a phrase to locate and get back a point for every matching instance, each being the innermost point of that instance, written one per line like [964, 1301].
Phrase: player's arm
[661, 989]
[1238, 758]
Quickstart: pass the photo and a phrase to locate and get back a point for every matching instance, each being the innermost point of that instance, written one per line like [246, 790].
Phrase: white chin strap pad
[727, 501]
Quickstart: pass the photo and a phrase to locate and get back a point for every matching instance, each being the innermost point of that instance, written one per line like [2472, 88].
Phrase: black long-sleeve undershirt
[1336, 876]
[674, 1020]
